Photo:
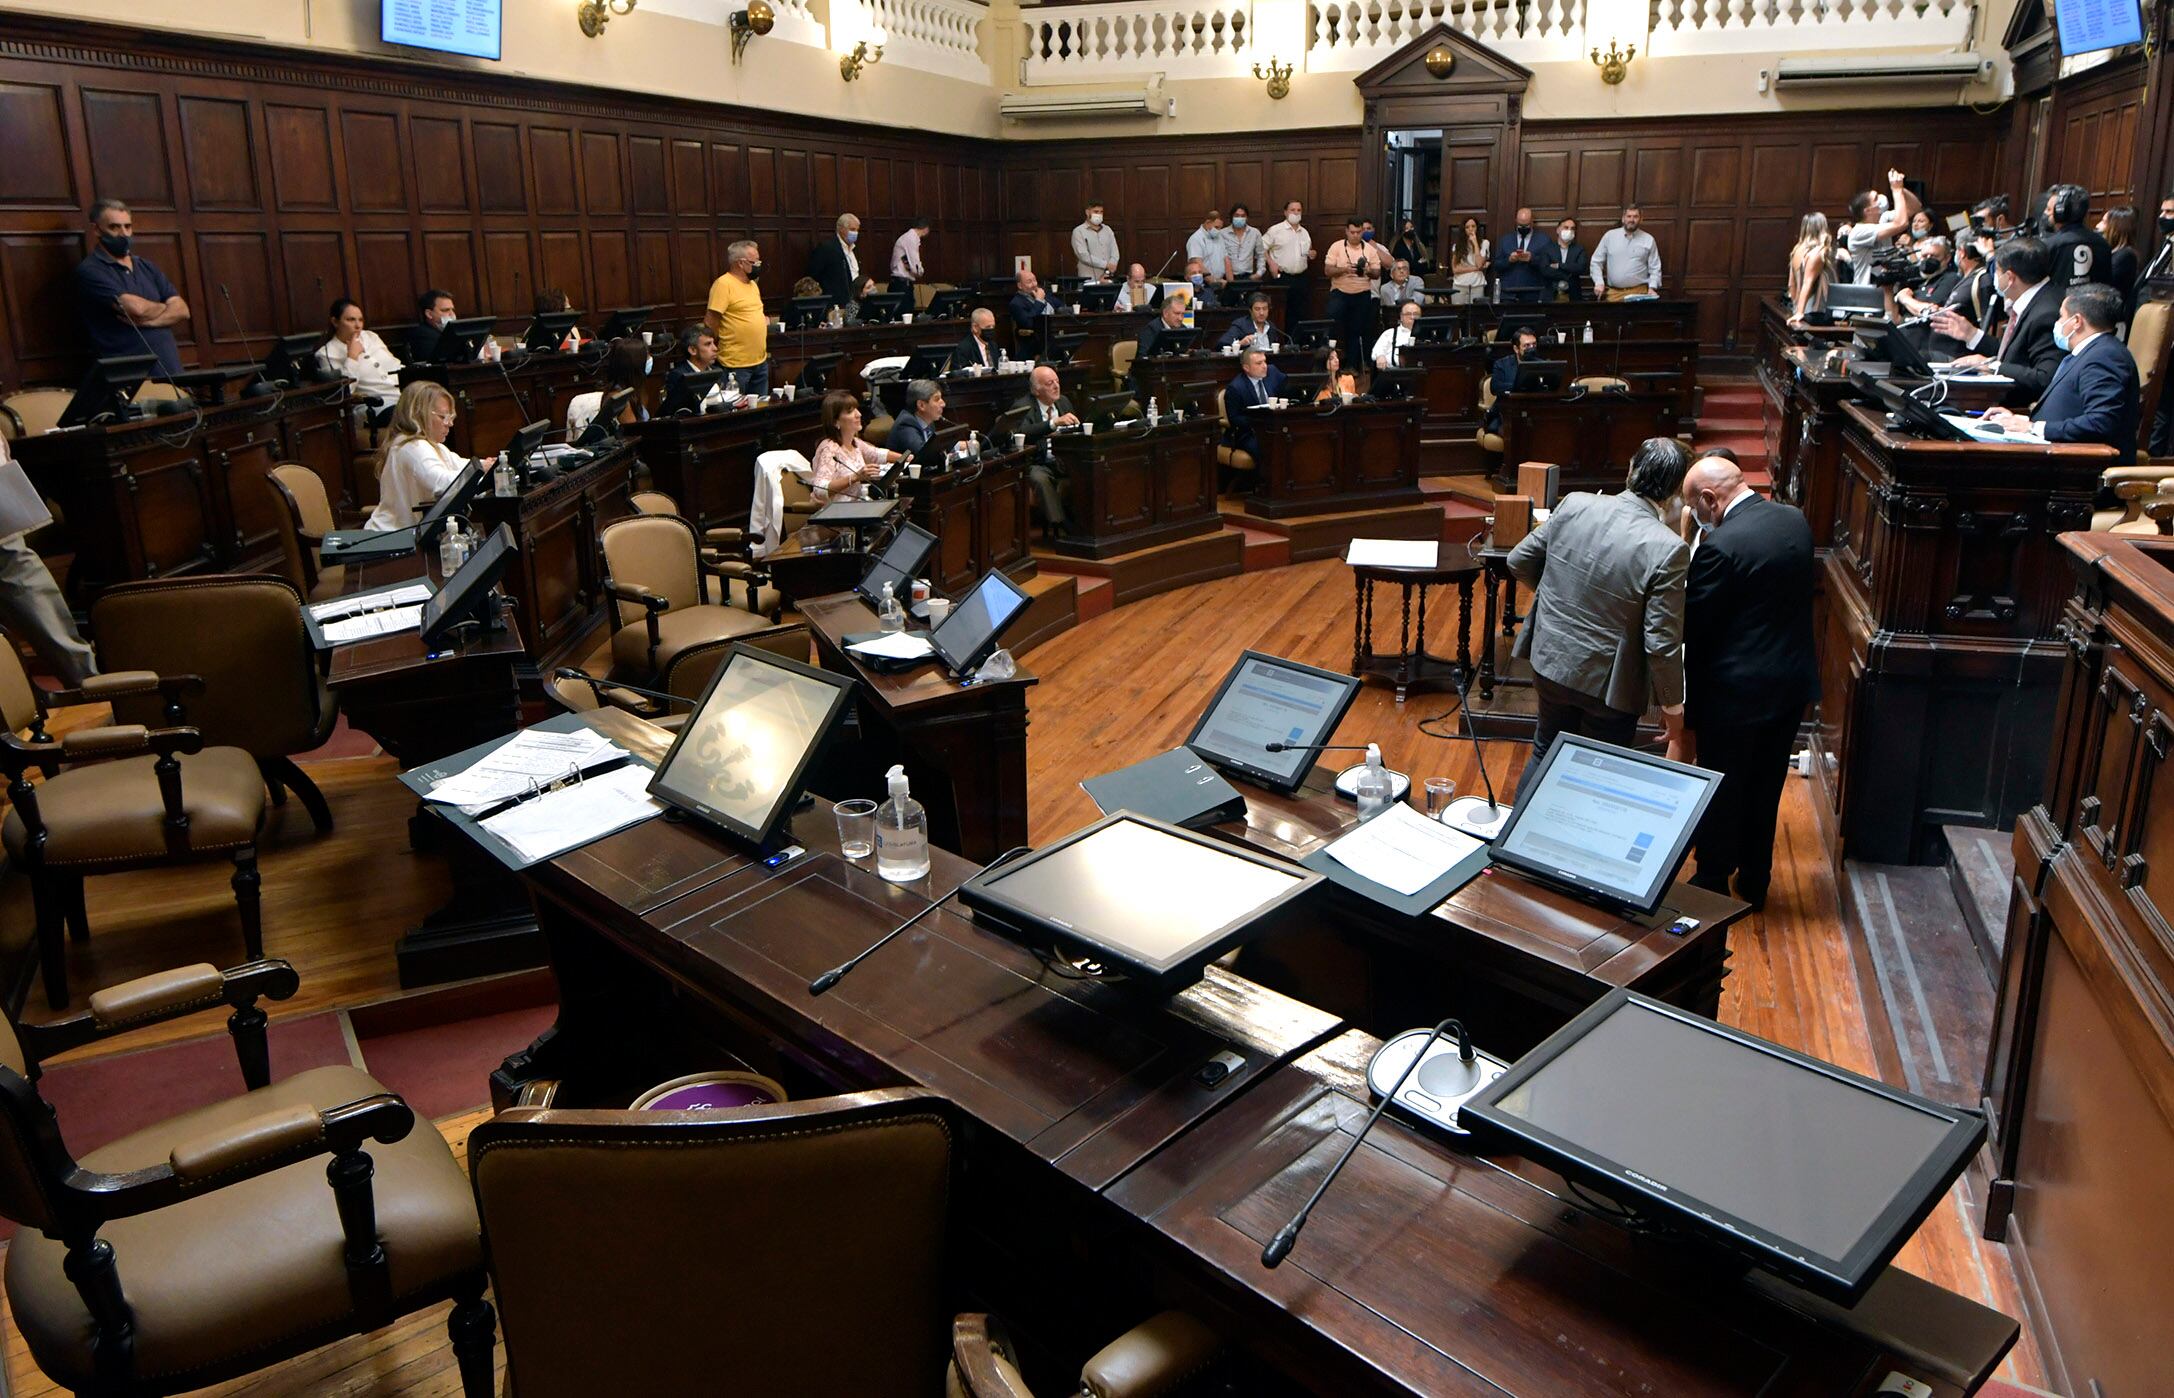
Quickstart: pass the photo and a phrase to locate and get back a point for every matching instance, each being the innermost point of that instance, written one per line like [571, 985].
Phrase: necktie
[2007, 332]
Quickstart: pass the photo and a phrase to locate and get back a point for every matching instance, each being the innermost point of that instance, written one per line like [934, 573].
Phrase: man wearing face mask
[1502, 377]
[1968, 291]
[1257, 382]
[1930, 295]
[1207, 246]
[1749, 667]
[1572, 272]
[434, 311]
[2094, 394]
[1247, 259]
[1526, 257]
[125, 301]
[2023, 349]
[1094, 246]
[837, 266]
[735, 317]
[2165, 258]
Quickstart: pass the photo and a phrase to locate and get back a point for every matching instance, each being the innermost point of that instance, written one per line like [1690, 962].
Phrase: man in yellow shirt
[736, 318]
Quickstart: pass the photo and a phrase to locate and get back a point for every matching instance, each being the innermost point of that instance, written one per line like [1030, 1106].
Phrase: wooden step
[1146, 572]
[1308, 537]
[1052, 610]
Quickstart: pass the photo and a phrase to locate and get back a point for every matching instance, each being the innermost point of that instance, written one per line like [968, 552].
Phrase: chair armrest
[541, 1094]
[635, 595]
[718, 538]
[128, 739]
[1151, 1359]
[2142, 473]
[158, 997]
[123, 684]
[981, 1360]
[256, 1146]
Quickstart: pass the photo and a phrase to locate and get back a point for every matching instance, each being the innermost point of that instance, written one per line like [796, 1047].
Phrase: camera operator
[1970, 294]
[1933, 282]
[2078, 253]
[2022, 350]
[1990, 216]
[1354, 268]
[1874, 220]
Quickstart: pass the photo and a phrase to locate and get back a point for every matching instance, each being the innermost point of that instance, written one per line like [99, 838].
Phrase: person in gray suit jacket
[1605, 630]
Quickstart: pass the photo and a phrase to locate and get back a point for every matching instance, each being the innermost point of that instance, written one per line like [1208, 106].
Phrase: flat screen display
[1267, 699]
[467, 27]
[901, 559]
[977, 621]
[739, 760]
[1606, 820]
[1139, 894]
[2086, 26]
[1826, 1171]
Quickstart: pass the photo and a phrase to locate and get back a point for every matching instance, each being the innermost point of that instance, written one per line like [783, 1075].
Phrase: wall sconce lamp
[757, 18]
[864, 55]
[1614, 64]
[1277, 74]
[595, 14]
[1441, 61]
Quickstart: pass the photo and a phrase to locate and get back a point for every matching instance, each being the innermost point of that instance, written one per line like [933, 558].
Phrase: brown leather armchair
[1234, 461]
[653, 502]
[130, 797]
[243, 636]
[659, 585]
[210, 1245]
[32, 411]
[772, 1223]
[302, 513]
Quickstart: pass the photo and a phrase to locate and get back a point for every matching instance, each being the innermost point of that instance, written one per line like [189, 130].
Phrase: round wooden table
[1411, 668]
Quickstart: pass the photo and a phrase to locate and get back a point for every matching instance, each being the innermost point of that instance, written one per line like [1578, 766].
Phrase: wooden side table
[1411, 668]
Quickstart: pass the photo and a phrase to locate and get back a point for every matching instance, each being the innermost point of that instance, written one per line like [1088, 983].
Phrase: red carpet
[446, 1068]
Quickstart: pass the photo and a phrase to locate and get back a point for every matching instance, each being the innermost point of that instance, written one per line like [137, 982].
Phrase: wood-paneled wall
[2094, 134]
[285, 184]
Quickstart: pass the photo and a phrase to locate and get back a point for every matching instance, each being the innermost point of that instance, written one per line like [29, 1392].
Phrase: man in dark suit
[1748, 666]
[2023, 350]
[924, 408]
[1042, 412]
[1571, 273]
[1257, 382]
[1527, 259]
[1254, 326]
[1030, 308]
[978, 349]
[836, 265]
[433, 312]
[1968, 290]
[2095, 395]
[1503, 376]
[1170, 321]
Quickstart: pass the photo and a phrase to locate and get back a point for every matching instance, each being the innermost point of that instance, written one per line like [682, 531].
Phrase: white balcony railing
[1692, 27]
[932, 36]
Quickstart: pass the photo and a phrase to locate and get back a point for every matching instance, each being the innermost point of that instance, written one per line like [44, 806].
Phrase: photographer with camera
[1969, 293]
[2077, 252]
[1929, 283]
[1354, 268]
[1874, 220]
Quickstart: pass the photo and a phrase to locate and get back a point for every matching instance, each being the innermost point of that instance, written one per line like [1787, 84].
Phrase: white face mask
[1568, 235]
[1293, 219]
[1094, 220]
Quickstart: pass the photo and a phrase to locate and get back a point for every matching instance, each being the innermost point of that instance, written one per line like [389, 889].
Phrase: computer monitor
[977, 622]
[686, 392]
[1313, 334]
[1067, 286]
[452, 500]
[952, 303]
[548, 331]
[293, 359]
[1103, 409]
[1914, 414]
[739, 760]
[1236, 292]
[1883, 342]
[465, 598]
[940, 444]
[1059, 347]
[807, 312]
[1540, 376]
[1179, 341]
[1850, 299]
[1267, 699]
[623, 322]
[815, 374]
[1148, 899]
[1388, 385]
[108, 388]
[1101, 296]
[1812, 1172]
[523, 443]
[462, 340]
[1608, 823]
[605, 426]
[882, 307]
[1434, 330]
[926, 362]
[901, 561]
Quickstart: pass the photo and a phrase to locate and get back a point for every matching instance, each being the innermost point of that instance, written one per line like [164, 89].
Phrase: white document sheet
[1402, 850]
[572, 816]
[528, 756]
[1394, 553]
[390, 622]
[405, 595]
[898, 645]
[1979, 432]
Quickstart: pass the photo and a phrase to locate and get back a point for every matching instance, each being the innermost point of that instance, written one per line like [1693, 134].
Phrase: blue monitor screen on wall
[468, 27]
[2086, 26]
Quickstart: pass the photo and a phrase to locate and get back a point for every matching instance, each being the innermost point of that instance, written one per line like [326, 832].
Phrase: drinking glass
[1440, 790]
[856, 828]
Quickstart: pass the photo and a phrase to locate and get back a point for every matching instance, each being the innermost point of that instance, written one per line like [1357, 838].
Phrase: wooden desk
[790, 350]
[1944, 590]
[557, 581]
[179, 496]
[1426, 1269]
[1191, 381]
[707, 463]
[1451, 377]
[2079, 1083]
[1592, 436]
[494, 401]
[1137, 488]
[1663, 319]
[964, 747]
[976, 401]
[1316, 458]
[1516, 958]
[981, 519]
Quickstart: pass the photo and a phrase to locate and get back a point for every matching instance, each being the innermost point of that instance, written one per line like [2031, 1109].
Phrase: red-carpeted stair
[1733, 416]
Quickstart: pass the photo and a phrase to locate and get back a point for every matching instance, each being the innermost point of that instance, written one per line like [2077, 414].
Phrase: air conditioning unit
[1121, 102]
[1865, 72]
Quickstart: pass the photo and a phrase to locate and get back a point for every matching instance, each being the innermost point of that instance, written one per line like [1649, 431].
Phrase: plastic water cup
[1440, 792]
[938, 609]
[856, 828]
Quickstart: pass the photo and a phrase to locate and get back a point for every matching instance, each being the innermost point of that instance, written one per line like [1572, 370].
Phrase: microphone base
[1475, 816]
[1439, 1085]
[1347, 783]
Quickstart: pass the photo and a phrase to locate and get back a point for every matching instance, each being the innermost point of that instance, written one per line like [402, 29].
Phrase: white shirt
[2015, 312]
[1213, 250]
[1125, 302]
[416, 471]
[374, 369]
[1388, 340]
[906, 255]
[1288, 246]
[1627, 260]
[1095, 249]
[581, 411]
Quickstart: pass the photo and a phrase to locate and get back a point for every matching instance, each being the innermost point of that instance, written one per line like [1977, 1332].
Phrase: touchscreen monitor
[1267, 699]
[741, 756]
[977, 622]
[1606, 821]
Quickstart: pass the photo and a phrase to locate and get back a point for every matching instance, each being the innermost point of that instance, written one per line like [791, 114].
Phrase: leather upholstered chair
[806, 1239]
[214, 1243]
[1122, 354]
[242, 634]
[1601, 383]
[126, 796]
[659, 585]
[302, 512]
[1233, 460]
[1489, 441]
[32, 411]
[653, 502]
[725, 551]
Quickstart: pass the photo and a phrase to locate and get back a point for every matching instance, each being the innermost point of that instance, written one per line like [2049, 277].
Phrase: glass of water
[856, 828]
[1440, 790]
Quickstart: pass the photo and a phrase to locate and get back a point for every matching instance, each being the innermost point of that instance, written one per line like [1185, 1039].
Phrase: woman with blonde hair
[414, 464]
[1811, 267]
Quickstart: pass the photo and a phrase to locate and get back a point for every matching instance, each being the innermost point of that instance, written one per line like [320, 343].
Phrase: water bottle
[503, 481]
[1373, 784]
[450, 555]
[1588, 332]
[889, 615]
[901, 833]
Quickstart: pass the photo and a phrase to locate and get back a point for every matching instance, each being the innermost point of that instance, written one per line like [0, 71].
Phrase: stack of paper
[529, 757]
[1394, 553]
[572, 816]
[898, 645]
[361, 627]
[405, 595]
[1402, 850]
[1979, 431]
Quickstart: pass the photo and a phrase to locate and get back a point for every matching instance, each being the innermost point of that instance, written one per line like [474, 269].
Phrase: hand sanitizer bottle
[450, 554]
[1373, 784]
[889, 615]
[1154, 413]
[1588, 332]
[502, 477]
[901, 833]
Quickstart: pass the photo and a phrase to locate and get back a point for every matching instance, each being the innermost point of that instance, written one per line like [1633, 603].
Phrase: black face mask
[115, 244]
[1524, 228]
[2166, 223]
[754, 272]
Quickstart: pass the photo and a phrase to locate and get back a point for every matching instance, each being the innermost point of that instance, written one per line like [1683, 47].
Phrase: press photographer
[1874, 220]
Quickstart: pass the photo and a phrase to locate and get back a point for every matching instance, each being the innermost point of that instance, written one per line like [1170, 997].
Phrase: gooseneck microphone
[821, 984]
[1318, 747]
[597, 687]
[528, 414]
[248, 346]
[1279, 1247]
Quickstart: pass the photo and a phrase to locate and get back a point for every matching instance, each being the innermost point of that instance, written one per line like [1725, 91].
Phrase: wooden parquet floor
[1115, 690]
